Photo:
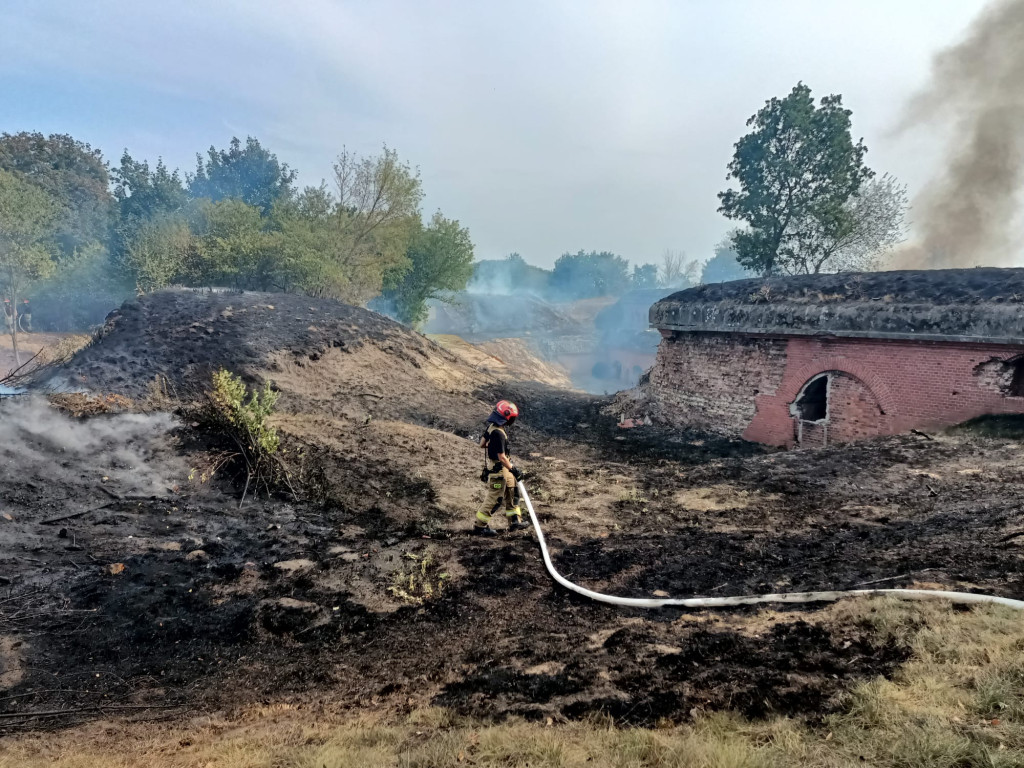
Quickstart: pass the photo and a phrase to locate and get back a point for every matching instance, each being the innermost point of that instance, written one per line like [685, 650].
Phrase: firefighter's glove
[517, 473]
[485, 474]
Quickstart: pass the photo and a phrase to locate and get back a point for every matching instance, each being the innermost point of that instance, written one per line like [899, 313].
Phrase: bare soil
[375, 594]
[28, 345]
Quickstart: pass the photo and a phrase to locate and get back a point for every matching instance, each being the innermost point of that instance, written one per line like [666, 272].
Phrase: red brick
[740, 384]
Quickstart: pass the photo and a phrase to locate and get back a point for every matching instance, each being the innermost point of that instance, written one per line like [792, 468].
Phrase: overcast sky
[544, 127]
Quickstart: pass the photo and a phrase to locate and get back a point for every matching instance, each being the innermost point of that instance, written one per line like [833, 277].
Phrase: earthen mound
[179, 337]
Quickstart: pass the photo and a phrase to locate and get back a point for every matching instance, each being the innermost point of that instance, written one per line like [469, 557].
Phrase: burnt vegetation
[157, 590]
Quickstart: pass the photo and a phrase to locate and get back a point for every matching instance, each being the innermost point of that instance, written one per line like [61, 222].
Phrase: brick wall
[744, 385]
[711, 380]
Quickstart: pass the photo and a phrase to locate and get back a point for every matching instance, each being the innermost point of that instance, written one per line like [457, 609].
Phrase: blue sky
[542, 126]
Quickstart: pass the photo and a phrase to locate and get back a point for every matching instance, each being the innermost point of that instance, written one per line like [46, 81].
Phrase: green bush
[244, 418]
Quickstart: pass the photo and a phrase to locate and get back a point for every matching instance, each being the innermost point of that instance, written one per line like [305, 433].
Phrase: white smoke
[42, 445]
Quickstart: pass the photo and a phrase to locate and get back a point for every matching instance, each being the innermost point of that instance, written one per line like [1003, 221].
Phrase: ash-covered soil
[129, 578]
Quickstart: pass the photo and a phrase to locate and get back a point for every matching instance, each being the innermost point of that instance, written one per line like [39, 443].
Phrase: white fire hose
[782, 597]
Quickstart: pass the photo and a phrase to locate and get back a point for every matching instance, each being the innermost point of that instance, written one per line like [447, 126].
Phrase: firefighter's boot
[482, 526]
[515, 519]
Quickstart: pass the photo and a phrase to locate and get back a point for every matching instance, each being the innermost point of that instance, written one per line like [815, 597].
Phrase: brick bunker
[819, 359]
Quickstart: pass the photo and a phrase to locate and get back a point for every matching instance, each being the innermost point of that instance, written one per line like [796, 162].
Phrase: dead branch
[74, 515]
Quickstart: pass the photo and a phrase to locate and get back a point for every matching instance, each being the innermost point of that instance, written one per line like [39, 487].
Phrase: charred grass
[956, 702]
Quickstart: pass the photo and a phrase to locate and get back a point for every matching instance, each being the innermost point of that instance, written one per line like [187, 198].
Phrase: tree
[142, 193]
[677, 271]
[75, 177]
[723, 266]
[143, 196]
[156, 252]
[645, 276]
[27, 219]
[586, 275]
[796, 170]
[441, 258]
[376, 215]
[251, 174]
[878, 213]
[234, 247]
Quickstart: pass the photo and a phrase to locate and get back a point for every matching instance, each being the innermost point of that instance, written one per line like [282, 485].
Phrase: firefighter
[500, 474]
[25, 322]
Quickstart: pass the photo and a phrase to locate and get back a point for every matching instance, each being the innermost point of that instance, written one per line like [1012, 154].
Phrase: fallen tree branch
[73, 515]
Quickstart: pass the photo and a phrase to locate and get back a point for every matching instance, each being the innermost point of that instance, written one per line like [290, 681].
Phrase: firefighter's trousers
[501, 491]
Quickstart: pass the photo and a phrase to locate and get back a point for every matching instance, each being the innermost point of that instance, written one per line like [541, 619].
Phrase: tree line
[592, 274]
[82, 235]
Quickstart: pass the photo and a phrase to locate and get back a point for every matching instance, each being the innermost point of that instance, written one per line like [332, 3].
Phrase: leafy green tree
[251, 174]
[28, 217]
[796, 170]
[723, 266]
[235, 247]
[82, 288]
[305, 242]
[143, 194]
[312, 203]
[586, 275]
[376, 216]
[441, 262]
[147, 200]
[75, 177]
[157, 251]
[645, 276]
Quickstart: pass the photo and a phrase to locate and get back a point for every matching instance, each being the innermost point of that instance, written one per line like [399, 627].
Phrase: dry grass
[958, 703]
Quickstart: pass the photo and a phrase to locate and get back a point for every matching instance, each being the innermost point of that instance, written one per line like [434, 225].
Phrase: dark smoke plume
[966, 216]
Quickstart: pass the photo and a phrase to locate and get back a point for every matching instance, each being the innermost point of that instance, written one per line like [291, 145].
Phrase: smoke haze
[45, 446]
[967, 216]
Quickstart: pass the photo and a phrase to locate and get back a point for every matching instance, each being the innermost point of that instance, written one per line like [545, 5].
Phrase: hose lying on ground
[720, 602]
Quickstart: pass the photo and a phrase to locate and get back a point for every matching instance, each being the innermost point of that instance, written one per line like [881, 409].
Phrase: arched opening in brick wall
[812, 403]
[810, 411]
[1015, 386]
[835, 407]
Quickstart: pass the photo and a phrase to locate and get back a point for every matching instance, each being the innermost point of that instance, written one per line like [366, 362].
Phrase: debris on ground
[372, 592]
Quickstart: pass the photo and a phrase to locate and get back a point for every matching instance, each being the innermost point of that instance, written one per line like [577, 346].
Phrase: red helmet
[506, 409]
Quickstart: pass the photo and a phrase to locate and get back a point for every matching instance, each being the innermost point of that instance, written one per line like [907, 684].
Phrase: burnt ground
[911, 286]
[375, 595]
